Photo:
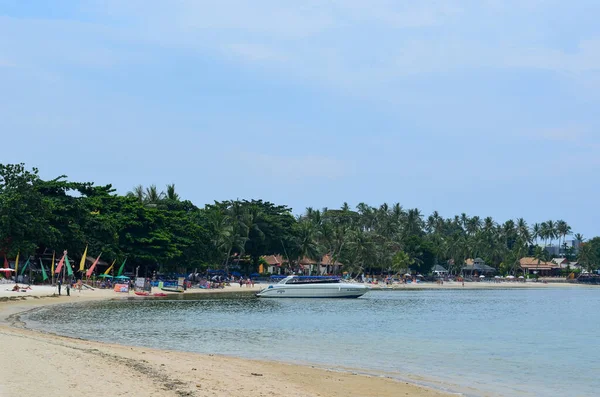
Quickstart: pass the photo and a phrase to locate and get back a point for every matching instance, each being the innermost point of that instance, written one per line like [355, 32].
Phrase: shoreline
[73, 366]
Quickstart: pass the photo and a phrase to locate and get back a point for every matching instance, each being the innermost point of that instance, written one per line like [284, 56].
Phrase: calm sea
[494, 342]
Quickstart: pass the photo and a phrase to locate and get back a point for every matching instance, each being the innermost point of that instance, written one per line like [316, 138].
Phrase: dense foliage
[160, 230]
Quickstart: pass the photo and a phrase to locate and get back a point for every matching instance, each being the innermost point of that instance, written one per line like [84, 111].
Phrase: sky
[488, 107]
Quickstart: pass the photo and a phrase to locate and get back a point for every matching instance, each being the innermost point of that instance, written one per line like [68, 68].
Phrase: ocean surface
[530, 342]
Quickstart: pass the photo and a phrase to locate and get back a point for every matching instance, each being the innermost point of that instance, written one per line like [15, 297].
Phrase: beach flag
[91, 269]
[61, 262]
[110, 268]
[17, 263]
[121, 268]
[44, 275]
[53, 259]
[25, 266]
[82, 263]
[68, 264]
[5, 262]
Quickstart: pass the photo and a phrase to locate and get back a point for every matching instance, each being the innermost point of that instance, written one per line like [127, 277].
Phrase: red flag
[91, 269]
[60, 264]
[5, 262]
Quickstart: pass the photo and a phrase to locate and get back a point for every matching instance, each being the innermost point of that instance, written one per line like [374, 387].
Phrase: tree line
[161, 231]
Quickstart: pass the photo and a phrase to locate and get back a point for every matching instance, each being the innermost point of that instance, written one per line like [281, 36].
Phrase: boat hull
[313, 291]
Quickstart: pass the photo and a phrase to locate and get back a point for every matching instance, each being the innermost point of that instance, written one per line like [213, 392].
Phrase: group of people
[69, 284]
[247, 282]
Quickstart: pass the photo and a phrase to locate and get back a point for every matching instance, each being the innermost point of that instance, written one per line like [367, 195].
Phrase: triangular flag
[53, 259]
[121, 268]
[17, 263]
[110, 268]
[44, 275]
[69, 268]
[5, 262]
[91, 269]
[61, 262]
[25, 266]
[82, 263]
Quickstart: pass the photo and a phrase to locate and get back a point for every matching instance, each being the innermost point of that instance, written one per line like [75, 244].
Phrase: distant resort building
[277, 263]
[439, 271]
[564, 263]
[530, 265]
[477, 267]
[556, 250]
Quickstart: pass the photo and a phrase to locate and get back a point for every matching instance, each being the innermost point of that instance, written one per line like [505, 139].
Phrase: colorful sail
[68, 265]
[25, 266]
[17, 263]
[110, 268]
[82, 263]
[53, 259]
[121, 268]
[91, 269]
[44, 275]
[61, 262]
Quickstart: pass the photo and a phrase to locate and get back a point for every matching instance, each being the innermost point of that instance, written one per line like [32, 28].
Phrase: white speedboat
[312, 287]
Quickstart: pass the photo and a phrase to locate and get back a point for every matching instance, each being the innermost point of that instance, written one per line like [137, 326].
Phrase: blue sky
[487, 107]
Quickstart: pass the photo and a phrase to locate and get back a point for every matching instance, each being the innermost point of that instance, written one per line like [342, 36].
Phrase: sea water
[538, 342]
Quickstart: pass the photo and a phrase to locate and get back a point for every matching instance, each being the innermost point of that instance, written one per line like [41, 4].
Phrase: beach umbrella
[510, 276]
[497, 277]
[482, 276]
[521, 277]
[7, 270]
[408, 275]
[122, 278]
[105, 276]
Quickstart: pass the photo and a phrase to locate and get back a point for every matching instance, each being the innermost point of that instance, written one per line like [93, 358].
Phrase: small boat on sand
[312, 287]
[142, 293]
[171, 289]
[159, 294]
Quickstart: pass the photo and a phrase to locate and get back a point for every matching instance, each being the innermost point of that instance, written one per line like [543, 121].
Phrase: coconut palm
[523, 230]
[563, 230]
[171, 194]
[536, 232]
[152, 195]
[138, 192]
[579, 237]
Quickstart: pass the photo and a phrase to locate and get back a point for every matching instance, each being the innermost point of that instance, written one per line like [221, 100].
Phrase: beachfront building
[477, 267]
[564, 263]
[439, 271]
[530, 265]
[276, 264]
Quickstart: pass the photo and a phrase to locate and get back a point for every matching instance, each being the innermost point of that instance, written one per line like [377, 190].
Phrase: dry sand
[40, 364]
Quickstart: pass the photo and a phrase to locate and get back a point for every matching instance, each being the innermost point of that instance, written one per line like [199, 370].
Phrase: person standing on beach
[68, 289]
[59, 284]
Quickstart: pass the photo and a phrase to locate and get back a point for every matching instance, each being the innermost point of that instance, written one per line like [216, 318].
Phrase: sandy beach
[38, 363]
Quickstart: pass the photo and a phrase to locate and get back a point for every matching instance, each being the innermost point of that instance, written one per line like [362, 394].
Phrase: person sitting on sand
[16, 287]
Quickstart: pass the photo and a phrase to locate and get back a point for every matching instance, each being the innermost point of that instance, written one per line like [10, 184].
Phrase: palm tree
[545, 232]
[563, 229]
[153, 196]
[536, 232]
[523, 230]
[579, 237]
[307, 242]
[171, 195]
[138, 192]
[551, 230]
[585, 256]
